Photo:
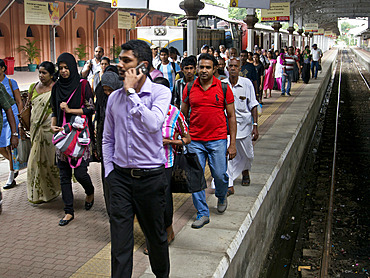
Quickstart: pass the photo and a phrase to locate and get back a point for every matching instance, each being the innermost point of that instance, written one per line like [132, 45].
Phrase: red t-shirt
[207, 117]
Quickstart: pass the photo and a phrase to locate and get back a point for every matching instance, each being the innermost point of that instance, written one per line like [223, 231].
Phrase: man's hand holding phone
[133, 76]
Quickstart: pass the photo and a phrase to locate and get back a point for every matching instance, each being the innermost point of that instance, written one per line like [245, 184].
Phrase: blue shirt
[132, 136]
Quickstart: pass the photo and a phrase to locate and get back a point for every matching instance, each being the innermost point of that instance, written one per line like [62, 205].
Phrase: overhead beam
[6, 8]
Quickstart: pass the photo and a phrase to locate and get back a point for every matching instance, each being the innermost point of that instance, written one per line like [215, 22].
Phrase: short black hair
[165, 50]
[105, 58]
[161, 80]
[140, 49]
[188, 61]
[2, 64]
[50, 68]
[206, 56]
[244, 51]
[173, 50]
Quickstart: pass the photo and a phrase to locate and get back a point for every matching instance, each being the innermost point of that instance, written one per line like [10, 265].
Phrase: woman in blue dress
[12, 89]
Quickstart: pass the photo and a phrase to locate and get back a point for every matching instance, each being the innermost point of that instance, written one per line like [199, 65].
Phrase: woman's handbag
[24, 149]
[25, 115]
[187, 173]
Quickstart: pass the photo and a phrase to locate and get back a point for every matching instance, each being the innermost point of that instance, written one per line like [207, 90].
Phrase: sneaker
[222, 205]
[288, 94]
[200, 222]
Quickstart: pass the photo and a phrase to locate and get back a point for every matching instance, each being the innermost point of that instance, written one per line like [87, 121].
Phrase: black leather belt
[138, 173]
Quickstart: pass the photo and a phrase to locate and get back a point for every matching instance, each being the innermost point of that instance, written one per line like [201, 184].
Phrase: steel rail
[362, 76]
[327, 241]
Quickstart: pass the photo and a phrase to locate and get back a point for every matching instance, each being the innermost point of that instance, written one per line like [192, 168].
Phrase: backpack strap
[159, 66]
[173, 67]
[190, 85]
[224, 89]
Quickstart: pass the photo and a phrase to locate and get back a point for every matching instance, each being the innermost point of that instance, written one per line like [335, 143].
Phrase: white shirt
[94, 69]
[156, 62]
[316, 54]
[244, 101]
[278, 68]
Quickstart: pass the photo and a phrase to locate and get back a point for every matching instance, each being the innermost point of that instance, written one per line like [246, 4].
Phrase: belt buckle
[132, 174]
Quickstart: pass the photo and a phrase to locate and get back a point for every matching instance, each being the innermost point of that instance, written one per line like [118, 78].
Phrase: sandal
[230, 191]
[246, 180]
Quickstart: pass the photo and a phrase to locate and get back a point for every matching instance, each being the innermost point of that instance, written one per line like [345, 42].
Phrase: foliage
[346, 26]
[31, 50]
[80, 51]
[115, 50]
[237, 13]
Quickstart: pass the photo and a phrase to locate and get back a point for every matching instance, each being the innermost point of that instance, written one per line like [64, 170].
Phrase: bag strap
[190, 85]
[31, 93]
[11, 86]
[64, 113]
[224, 89]
[173, 67]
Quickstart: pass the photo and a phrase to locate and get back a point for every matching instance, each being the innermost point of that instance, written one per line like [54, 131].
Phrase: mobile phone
[143, 69]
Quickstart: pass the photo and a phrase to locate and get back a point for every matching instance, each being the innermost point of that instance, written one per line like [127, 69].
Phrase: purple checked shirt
[132, 136]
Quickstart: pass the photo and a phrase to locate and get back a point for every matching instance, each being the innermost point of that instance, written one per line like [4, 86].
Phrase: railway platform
[231, 245]
[362, 56]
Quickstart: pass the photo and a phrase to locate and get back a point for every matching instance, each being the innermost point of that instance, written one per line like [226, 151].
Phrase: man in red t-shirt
[208, 131]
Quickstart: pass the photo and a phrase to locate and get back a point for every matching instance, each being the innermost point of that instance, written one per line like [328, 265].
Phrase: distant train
[229, 33]
[176, 36]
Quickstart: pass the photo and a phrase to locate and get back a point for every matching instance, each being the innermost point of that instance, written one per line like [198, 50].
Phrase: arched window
[1, 33]
[56, 33]
[29, 32]
[78, 34]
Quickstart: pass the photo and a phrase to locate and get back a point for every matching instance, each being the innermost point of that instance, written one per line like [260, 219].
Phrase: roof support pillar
[251, 20]
[276, 26]
[192, 8]
[52, 33]
[291, 27]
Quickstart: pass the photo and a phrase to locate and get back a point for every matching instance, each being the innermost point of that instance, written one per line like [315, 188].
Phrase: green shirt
[6, 102]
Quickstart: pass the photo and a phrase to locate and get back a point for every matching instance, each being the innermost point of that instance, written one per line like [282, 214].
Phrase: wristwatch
[130, 91]
[255, 124]
[15, 134]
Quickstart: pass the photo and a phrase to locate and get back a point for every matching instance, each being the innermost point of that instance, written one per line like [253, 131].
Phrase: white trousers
[242, 161]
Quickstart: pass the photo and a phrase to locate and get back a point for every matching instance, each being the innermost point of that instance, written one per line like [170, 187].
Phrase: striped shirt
[174, 123]
[169, 73]
[289, 61]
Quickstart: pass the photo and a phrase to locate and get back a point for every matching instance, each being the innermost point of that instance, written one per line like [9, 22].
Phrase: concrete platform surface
[231, 245]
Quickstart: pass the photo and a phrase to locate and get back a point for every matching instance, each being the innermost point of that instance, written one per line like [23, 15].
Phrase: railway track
[325, 231]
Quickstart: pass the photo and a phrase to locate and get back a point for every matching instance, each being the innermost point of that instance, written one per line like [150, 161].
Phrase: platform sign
[311, 27]
[277, 12]
[130, 4]
[171, 22]
[261, 4]
[41, 13]
[319, 32]
[126, 20]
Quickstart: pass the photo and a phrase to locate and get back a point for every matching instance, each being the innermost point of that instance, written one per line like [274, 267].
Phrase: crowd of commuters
[136, 113]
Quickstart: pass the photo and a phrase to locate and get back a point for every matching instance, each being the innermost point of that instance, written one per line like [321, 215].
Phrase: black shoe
[88, 205]
[10, 185]
[63, 222]
[288, 94]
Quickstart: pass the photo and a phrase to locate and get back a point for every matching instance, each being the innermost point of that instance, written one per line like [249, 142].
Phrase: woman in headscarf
[81, 103]
[307, 57]
[109, 82]
[42, 174]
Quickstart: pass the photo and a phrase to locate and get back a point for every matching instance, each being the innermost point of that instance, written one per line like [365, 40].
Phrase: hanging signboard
[129, 4]
[171, 22]
[311, 27]
[277, 12]
[124, 20]
[261, 4]
[319, 32]
[328, 33]
[41, 13]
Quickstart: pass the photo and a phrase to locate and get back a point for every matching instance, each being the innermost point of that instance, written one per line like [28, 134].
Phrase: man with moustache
[188, 67]
[134, 161]
[208, 131]
[93, 66]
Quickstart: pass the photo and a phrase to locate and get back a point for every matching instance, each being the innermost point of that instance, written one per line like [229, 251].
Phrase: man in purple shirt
[134, 161]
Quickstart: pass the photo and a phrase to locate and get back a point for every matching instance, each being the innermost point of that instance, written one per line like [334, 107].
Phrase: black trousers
[145, 198]
[65, 173]
[168, 213]
[106, 191]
